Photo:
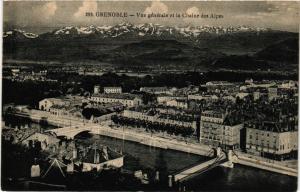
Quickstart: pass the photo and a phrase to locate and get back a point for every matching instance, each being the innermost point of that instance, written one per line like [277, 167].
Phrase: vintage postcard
[150, 95]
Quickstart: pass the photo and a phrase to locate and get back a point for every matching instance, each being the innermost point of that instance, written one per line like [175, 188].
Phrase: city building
[128, 100]
[229, 98]
[272, 93]
[47, 103]
[45, 141]
[263, 84]
[221, 86]
[288, 85]
[178, 103]
[158, 90]
[179, 120]
[114, 90]
[218, 83]
[96, 89]
[220, 129]
[15, 72]
[274, 140]
[101, 158]
[199, 97]
[162, 99]
[256, 95]
[66, 111]
[241, 95]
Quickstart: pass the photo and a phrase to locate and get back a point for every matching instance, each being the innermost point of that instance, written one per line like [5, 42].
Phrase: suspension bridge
[221, 159]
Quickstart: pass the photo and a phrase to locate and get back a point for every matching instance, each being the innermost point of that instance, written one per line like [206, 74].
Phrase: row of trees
[153, 126]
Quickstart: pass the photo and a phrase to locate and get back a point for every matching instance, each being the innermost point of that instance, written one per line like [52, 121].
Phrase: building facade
[178, 103]
[268, 141]
[272, 93]
[157, 90]
[215, 132]
[158, 119]
[96, 89]
[47, 103]
[128, 100]
[162, 99]
[114, 90]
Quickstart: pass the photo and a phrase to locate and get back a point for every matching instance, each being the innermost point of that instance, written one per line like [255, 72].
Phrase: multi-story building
[178, 103]
[199, 97]
[288, 85]
[221, 86]
[128, 100]
[66, 111]
[47, 103]
[256, 95]
[242, 95]
[96, 89]
[162, 99]
[275, 140]
[272, 93]
[109, 90]
[179, 120]
[158, 90]
[219, 129]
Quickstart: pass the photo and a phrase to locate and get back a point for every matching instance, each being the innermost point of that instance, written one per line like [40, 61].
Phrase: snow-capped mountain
[20, 33]
[127, 30]
[150, 44]
[149, 29]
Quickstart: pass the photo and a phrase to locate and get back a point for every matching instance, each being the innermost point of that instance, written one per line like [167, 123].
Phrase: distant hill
[285, 51]
[203, 47]
[281, 55]
[164, 53]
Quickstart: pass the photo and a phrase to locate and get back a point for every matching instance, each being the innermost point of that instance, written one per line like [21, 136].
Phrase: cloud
[156, 7]
[192, 10]
[87, 6]
[45, 11]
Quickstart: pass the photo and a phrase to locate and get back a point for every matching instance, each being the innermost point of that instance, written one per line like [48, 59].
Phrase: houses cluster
[271, 139]
[16, 74]
[257, 117]
[114, 95]
[183, 121]
[63, 106]
[220, 129]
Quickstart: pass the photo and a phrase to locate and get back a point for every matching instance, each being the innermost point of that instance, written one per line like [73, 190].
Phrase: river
[141, 157]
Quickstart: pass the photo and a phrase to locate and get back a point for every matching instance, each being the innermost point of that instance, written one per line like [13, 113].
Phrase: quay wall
[142, 138]
[153, 141]
[159, 142]
[273, 167]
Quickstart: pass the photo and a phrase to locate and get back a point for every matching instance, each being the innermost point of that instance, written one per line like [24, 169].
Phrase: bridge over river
[190, 172]
[71, 131]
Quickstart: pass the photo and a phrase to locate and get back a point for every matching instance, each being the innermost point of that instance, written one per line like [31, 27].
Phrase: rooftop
[126, 96]
[212, 112]
[272, 126]
[100, 154]
[112, 87]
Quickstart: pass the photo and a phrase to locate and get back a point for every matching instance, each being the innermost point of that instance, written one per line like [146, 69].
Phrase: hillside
[159, 46]
[281, 55]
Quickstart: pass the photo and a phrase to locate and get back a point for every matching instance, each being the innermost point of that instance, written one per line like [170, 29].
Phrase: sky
[43, 16]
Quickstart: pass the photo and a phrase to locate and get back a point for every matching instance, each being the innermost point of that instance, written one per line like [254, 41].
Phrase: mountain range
[125, 44]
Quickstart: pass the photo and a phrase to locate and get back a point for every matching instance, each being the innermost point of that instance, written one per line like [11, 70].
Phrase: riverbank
[125, 134]
[160, 142]
[262, 163]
